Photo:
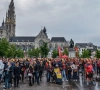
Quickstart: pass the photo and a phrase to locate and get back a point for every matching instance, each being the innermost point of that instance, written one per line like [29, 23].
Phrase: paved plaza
[79, 85]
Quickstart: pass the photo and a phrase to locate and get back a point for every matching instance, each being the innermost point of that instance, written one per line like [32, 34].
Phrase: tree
[34, 52]
[65, 52]
[37, 52]
[85, 54]
[11, 52]
[89, 52]
[4, 45]
[44, 49]
[19, 53]
[54, 53]
[97, 54]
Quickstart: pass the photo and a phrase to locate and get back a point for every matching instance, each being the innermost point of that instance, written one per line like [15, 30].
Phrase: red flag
[59, 50]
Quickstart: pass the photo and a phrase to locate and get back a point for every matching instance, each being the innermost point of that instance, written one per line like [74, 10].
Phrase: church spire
[11, 6]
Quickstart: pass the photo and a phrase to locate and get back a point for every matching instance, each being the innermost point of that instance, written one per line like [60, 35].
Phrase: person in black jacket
[16, 74]
[41, 70]
[22, 66]
[36, 70]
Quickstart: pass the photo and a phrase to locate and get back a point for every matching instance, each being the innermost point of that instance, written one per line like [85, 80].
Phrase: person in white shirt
[74, 67]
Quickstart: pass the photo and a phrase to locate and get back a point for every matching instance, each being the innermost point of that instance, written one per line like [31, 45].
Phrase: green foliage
[4, 45]
[86, 53]
[44, 49]
[54, 53]
[11, 52]
[34, 52]
[19, 53]
[65, 52]
[97, 54]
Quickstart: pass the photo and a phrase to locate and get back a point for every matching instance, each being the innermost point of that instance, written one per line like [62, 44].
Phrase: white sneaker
[66, 80]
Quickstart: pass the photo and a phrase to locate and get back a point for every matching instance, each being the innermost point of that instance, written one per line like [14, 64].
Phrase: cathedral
[7, 30]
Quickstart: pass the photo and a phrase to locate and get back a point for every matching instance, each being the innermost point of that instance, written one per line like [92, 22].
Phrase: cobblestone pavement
[80, 85]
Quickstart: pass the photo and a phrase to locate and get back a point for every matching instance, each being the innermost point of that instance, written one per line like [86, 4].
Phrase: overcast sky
[76, 19]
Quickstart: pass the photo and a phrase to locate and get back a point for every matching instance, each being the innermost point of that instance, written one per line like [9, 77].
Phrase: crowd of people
[14, 70]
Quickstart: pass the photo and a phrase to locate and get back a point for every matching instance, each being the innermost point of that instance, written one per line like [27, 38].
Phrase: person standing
[63, 68]
[41, 70]
[1, 69]
[75, 71]
[22, 66]
[36, 71]
[30, 74]
[8, 74]
[16, 74]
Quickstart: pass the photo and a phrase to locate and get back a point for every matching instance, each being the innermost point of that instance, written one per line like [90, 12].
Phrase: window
[1, 32]
[56, 45]
[50, 45]
[41, 43]
[61, 45]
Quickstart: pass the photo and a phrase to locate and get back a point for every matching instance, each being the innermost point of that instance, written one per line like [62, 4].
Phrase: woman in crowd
[75, 71]
[30, 74]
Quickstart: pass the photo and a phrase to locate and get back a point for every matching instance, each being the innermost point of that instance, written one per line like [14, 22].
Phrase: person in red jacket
[89, 72]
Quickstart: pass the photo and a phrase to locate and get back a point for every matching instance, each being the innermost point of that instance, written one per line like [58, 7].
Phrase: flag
[60, 53]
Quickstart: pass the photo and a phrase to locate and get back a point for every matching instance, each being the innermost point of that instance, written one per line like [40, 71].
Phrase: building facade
[7, 30]
[86, 46]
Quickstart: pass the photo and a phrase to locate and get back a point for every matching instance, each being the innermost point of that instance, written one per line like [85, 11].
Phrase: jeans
[16, 80]
[37, 77]
[69, 75]
[40, 75]
[64, 75]
[48, 76]
[0, 77]
[75, 76]
[7, 84]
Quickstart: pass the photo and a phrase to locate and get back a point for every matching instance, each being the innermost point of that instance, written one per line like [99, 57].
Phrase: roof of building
[22, 39]
[82, 45]
[58, 39]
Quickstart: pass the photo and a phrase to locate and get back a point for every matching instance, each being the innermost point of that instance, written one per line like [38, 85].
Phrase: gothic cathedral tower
[10, 21]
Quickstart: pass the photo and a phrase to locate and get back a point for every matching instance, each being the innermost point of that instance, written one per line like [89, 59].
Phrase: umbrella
[65, 56]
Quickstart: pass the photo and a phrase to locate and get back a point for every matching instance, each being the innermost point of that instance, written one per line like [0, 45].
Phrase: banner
[58, 73]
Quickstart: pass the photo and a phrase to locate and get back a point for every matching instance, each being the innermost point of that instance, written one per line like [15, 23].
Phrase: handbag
[29, 74]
